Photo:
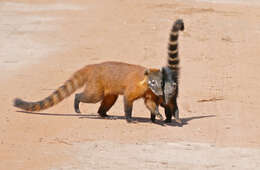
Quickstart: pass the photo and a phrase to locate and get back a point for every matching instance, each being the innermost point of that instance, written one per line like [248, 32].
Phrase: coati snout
[154, 81]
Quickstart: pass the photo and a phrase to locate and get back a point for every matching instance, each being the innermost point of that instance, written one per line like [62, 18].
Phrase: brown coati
[170, 76]
[104, 82]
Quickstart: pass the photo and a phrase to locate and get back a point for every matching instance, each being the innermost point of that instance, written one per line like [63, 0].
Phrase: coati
[104, 82]
[170, 73]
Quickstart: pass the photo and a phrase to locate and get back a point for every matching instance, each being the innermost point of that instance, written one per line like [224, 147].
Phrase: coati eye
[152, 82]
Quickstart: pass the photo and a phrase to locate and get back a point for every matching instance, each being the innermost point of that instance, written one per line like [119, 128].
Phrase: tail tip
[17, 102]
[180, 24]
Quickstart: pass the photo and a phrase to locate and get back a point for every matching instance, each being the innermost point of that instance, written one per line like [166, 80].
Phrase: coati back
[104, 82]
[170, 73]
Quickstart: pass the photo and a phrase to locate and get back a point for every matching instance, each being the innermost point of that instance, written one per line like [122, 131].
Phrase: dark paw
[104, 115]
[77, 111]
[159, 116]
[152, 118]
[130, 120]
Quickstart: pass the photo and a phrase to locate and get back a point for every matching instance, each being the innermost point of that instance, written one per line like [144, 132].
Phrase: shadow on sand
[185, 121]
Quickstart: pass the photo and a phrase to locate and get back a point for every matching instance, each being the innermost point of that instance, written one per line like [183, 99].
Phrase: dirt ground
[43, 42]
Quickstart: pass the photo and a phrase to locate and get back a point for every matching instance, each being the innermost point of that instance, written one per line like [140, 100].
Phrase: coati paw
[159, 116]
[130, 120]
[103, 115]
[153, 118]
[77, 111]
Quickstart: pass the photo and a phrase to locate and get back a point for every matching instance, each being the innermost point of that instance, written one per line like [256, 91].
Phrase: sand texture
[43, 42]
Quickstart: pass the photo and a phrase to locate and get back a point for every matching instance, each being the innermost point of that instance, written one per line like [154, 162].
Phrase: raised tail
[173, 57]
[70, 86]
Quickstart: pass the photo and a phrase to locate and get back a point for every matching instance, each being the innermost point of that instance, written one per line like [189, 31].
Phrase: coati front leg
[153, 107]
[157, 113]
[106, 104]
[128, 107]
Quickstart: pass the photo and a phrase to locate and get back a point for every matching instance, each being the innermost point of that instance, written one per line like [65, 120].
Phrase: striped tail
[70, 86]
[173, 57]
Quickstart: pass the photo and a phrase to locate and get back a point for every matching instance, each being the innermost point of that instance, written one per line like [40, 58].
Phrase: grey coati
[104, 82]
[170, 73]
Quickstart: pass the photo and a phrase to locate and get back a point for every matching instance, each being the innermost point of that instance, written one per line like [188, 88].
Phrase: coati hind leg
[106, 104]
[82, 97]
[76, 102]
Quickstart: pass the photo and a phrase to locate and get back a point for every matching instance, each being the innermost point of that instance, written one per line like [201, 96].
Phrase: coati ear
[147, 72]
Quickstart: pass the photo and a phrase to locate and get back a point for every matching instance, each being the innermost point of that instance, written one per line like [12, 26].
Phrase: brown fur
[103, 82]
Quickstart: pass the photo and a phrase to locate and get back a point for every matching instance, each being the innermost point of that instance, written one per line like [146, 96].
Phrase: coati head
[169, 84]
[154, 80]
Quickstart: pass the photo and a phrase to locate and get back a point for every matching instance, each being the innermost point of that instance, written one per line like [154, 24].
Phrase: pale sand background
[44, 42]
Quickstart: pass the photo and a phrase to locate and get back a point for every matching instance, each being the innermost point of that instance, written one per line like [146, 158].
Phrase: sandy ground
[44, 42]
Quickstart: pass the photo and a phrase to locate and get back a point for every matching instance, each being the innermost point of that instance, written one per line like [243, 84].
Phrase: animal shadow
[135, 119]
[185, 121]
